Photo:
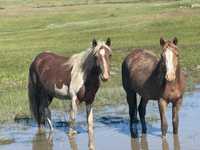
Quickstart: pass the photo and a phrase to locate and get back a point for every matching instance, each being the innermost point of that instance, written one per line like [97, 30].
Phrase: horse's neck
[88, 64]
[93, 69]
[160, 73]
[82, 65]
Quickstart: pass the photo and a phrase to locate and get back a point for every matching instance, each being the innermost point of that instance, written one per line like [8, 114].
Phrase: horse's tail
[125, 75]
[34, 98]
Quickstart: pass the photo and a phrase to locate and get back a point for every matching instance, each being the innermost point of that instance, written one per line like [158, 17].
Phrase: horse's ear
[108, 42]
[162, 41]
[175, 40]
[94, 42]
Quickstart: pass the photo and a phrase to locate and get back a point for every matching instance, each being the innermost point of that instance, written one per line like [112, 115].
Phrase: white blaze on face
[105, 65]
[102, 52]
[170, 74]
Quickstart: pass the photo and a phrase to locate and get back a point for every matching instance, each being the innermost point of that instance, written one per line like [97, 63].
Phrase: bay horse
[156, 79]
[76, 78]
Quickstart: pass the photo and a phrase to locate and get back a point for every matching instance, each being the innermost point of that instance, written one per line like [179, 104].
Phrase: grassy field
[28, 27]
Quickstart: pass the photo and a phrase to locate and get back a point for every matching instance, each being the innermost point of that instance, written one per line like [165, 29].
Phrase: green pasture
[28, 27]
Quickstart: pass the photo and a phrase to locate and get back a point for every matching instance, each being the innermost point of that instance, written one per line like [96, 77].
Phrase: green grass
[28, 27]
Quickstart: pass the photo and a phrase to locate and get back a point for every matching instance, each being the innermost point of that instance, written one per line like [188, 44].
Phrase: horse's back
[51, 70]
[48, 58]
[137, 68]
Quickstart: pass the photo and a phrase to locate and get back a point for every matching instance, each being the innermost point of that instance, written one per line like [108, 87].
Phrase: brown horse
[160, 80]
[76, 78]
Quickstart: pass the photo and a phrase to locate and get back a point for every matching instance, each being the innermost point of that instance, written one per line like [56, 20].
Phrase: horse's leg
[48, 112]
[162, 108]
[48, 118]
[175, 116]
[89, 111]
[42, 101]
[45, 111]
[72, 115]
[132, 103]
[142, 112]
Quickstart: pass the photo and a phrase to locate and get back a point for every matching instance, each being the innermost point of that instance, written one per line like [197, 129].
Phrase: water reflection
[72, 142]
[139, 144]
[42, 141]
[165, 145]
[176, 143]
[142, 143]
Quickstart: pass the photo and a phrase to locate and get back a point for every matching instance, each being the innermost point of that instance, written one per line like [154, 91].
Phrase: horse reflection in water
[142, 144]
[42, 141]
[165, 145]
[72, 142]
[139, 145]
[176, 143]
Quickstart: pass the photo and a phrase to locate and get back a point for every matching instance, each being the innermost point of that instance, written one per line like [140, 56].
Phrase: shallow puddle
[111, 130]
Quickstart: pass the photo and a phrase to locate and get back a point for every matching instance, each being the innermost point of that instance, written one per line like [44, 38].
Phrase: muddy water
[111, 130]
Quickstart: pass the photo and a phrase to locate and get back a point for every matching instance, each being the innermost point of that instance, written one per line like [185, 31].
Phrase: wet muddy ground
[111, 130]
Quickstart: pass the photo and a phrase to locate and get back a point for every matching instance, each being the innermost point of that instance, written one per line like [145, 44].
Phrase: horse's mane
[81, 64]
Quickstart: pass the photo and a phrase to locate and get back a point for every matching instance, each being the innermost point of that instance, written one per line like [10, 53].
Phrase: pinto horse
[155, 79]
[76, 78]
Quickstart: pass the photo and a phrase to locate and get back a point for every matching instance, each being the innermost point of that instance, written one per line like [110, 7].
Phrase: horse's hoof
[91, 148]
[134, 135]
[164, 137]
[72, 132]
[144, 131]
[41, 129]
[175, 132]
[143, 135]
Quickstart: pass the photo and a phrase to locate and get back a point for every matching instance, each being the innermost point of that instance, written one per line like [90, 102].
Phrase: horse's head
[103, 57]
[170, 56]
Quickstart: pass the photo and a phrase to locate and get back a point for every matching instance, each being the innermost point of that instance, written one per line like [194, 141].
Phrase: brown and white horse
[160, 80]
[76, 78]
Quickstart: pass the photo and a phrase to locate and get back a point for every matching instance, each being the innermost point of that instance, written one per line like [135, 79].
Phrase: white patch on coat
[63, 91]
[77, 73]
[82, 63]
[50, 124]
